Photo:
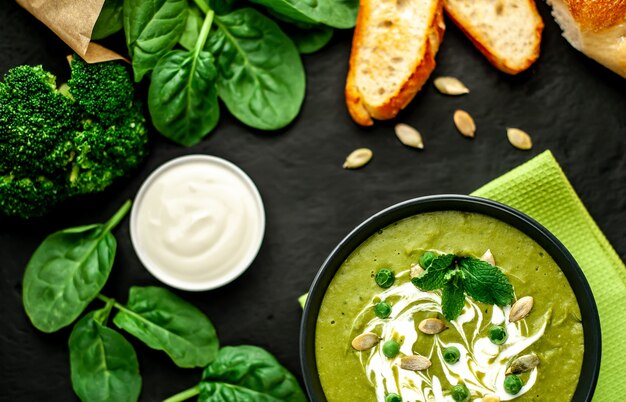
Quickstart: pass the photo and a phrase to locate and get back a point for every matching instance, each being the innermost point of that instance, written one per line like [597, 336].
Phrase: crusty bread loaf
[393, 54]
[595, 27]
[507, 32]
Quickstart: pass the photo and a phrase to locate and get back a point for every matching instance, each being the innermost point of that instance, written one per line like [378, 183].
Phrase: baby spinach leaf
[163, 321]
[260, 74]
[103, 364]
[183, 96]
[486, 283]
[248, 373]
[152, 28]
[110, 19]
[193, 25]
[335, 13]
[221, 6]
[310, 40]
[67, 271]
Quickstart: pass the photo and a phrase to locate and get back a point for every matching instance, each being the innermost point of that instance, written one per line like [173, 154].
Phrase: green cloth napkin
[540, 189]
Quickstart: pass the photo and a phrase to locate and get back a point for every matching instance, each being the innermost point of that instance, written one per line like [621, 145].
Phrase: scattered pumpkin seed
[491, 398]
[358, 158]
[523, 364]
[415, 363]
[409, 136]
[416, 270]
[431, 326]
[450, 86]
[365, 341]
[464, 123]
[488, 257]
[519, 139]
[521, 308]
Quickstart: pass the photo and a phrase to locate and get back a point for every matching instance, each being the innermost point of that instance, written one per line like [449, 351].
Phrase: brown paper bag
[73, 22]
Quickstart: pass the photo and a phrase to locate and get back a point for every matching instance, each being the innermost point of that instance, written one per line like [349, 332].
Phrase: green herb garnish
[457, 276]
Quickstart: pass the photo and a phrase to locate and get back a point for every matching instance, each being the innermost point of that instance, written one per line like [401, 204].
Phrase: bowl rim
[453, 202]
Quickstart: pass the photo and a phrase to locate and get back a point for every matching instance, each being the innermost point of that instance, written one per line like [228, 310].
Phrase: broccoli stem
[119, 215]
[184, 395]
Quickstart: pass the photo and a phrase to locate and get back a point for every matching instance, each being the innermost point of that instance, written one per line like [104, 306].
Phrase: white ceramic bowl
[176, 275]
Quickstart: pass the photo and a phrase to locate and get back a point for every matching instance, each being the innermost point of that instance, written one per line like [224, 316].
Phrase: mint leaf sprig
[457, 276]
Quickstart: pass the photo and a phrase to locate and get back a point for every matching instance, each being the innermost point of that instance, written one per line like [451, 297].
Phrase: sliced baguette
[507, 32]
[595, 27]
[393, 54]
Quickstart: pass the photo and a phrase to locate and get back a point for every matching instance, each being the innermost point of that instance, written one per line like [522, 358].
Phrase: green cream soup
[552, 330]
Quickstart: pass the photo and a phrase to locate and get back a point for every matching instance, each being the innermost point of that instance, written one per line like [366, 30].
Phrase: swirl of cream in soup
[482, 365]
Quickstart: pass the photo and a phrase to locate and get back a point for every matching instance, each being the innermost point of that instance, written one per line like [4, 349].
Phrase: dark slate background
[567, 102]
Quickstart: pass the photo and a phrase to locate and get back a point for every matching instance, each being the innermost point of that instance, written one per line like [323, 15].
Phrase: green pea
[382, 310]
[451, 354]
[460, 393]
[391, 397]
[427, 259]
[513, 384]
[385, 278]
[498, 334]
[391, 349]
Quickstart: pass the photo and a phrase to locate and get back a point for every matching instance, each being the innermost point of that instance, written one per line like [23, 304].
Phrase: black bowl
[525, 224]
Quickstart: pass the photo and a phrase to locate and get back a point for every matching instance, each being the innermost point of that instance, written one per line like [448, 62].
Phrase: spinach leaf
[335, 13]
[67, 271]
[193, 25]
[248, 373]
[310, 40]
[183, 96]
[221, 6]
[103, 364]
[152, 28]
[260, 74]
[163, 321]
[110, 19]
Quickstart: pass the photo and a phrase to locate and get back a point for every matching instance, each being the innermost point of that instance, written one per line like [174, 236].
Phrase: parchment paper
[73, 22]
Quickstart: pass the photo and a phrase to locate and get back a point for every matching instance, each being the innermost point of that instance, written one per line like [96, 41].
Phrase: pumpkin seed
[409, 136]
[464, 123]
[365, 341]
[491, 398]
[416, 270]
[488, 257]
[450, 86]
[358, 158]
[523, 364]
[415, 363]
[519, 139]
[521, 308]
[431, 326]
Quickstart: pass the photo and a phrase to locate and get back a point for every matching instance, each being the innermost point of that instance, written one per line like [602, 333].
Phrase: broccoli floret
[35, 122]
[27, 197]
[104, 153]
[58, 143]
[90, 82]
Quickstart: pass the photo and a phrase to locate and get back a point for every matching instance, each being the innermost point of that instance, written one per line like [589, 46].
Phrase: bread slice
[393, 54]
[595, 27]
[507, 32]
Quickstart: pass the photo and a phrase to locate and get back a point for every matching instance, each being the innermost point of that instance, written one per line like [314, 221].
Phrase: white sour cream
[197, 222]
[482, 364]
